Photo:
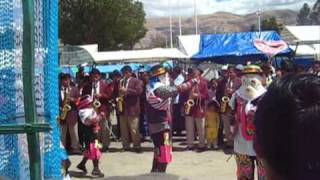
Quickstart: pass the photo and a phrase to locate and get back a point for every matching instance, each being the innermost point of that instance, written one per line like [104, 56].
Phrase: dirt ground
[186, 165]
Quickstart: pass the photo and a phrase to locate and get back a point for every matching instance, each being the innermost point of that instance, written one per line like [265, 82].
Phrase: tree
[269, 24]
[315, 14]
[303, 15]
[113, 24]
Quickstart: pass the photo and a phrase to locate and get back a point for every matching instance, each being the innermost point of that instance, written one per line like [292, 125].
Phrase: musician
[116, 77]
[143, 127]
[68, 96]
[102, 92]
[159, 93]
[131, 88]
[199, 95]
[178, 124]
[227, 87]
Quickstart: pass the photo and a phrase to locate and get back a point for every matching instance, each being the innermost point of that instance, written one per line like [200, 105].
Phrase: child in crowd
[212, 124]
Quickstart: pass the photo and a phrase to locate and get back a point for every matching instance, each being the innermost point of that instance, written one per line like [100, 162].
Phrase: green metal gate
[29, 11]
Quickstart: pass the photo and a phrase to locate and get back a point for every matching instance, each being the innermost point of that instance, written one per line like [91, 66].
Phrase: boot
[162, 167]
[96, 171]
[82, 165]
[66, 165]
[154, 166]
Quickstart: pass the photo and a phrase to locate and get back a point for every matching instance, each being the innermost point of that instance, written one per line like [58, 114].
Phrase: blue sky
[160, 7]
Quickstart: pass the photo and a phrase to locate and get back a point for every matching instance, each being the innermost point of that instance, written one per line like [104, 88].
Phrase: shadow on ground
[150, 176]
[228, 151]
[79, 174]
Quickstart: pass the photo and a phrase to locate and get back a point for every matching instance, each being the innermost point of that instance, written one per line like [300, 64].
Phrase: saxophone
[66, 107]
[96, 103]
[120, 99]
[189, 104]
[225, 100]
[224, 103]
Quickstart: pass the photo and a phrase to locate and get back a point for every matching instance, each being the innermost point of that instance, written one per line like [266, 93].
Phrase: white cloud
[161, 7]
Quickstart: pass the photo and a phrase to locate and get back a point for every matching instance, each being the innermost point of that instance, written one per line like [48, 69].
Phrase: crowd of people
[162, 103]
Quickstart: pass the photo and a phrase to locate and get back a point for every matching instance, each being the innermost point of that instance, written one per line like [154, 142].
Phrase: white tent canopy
[189, 44]
[305, 35]
[150, 55]
[122, 56]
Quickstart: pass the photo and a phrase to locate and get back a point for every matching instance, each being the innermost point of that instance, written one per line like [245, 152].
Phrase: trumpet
[188, 106]
[224, 104]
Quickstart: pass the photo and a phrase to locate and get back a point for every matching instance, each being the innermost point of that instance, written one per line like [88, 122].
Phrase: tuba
[189, 104]
[66, 107]
[120, 99]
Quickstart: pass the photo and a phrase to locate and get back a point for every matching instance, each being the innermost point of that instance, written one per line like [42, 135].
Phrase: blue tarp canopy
[234, 48]
[306, 61]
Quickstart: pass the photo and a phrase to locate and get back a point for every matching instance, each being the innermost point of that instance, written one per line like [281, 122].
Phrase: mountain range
[158, 34]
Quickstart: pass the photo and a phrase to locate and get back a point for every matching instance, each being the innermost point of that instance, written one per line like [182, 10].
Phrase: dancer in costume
[159, 93]
[91, 118]
[244, 103]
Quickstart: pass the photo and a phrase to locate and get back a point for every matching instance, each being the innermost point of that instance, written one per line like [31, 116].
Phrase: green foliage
[315, 14]
[113, 24]
[269, 24]
[303, 16]
[309, 16]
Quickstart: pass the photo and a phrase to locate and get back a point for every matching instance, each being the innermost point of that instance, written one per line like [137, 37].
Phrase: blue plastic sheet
[234, 48]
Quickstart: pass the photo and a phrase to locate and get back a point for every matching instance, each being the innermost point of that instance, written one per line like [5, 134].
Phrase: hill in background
[158, 28]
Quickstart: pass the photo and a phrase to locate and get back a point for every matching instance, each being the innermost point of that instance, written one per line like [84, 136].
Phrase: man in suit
[102, 92]
[230, 83]
[131, 88]
[198, 94]
[68, 96]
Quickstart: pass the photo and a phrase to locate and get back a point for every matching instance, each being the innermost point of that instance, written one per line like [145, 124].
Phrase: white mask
[251, 87]
[164, 78]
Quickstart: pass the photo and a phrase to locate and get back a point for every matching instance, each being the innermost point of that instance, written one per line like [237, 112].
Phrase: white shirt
[95, 89]
[126, 85]
[178, 81]
[62, 92]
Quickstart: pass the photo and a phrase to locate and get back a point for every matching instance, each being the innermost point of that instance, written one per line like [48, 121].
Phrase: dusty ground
[187, 165]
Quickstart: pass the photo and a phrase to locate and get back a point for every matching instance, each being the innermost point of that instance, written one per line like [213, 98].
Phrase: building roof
[189, 44]
[149, 55]
[89, 54]
[305, 40]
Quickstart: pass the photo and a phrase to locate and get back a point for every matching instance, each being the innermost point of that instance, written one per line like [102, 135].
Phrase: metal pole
[196, 15]
[28, 91]
[170, 19]
[259, 20]
[180, 29]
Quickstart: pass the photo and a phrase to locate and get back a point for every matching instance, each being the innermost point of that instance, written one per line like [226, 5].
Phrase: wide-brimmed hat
[251, 69]
[157, 70]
